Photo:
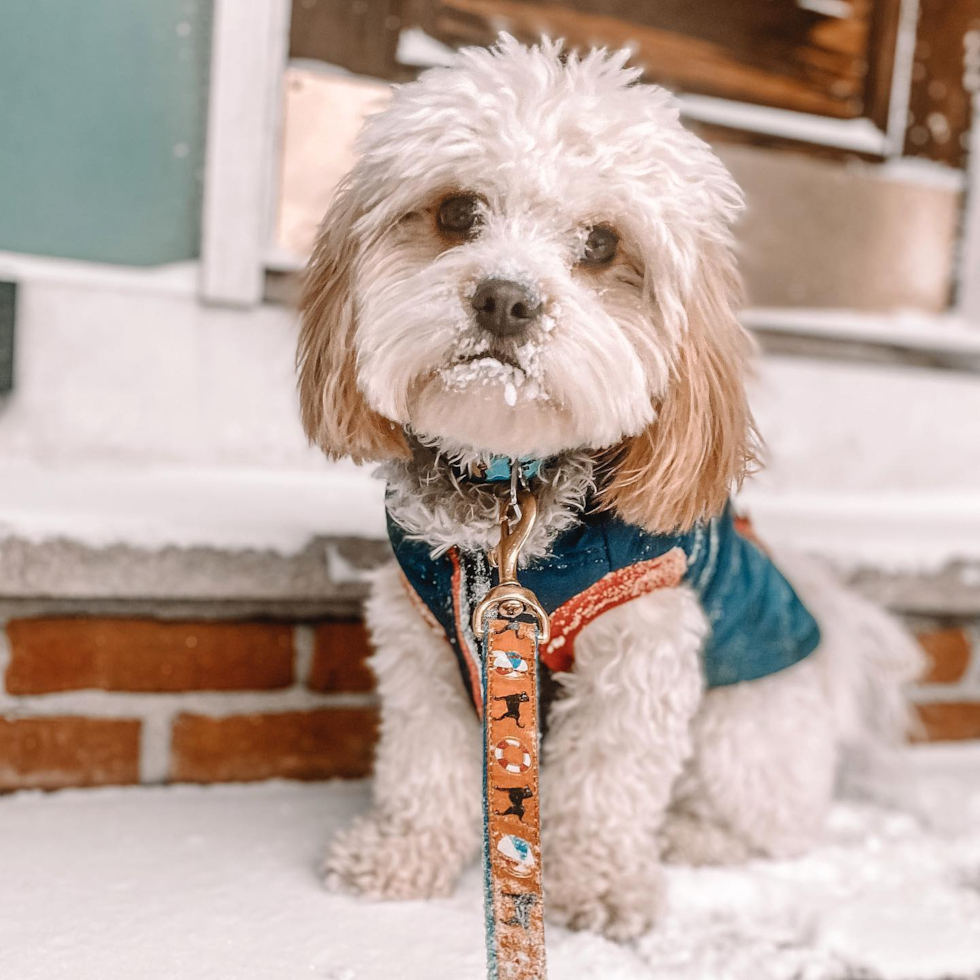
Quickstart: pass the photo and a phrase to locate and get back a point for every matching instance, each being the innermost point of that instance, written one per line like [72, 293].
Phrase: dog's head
[532, 255]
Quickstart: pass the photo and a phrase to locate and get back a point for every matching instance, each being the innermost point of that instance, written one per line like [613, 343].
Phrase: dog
[532, 262]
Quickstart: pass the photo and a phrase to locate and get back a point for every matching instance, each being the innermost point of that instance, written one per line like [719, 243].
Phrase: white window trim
[248, 55]
[931, 340]
[857, 135]
[173, 279]
[916, 331]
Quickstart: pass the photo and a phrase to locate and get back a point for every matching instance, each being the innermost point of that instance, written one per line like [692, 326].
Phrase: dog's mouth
[491, 359]
[490, 369]
[482, 369]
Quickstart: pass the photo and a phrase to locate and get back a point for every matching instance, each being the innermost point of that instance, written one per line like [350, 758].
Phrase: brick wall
[95, 701]
[948, 698]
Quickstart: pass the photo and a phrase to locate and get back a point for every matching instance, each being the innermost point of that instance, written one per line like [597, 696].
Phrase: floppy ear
[335, 414]
[682, 467]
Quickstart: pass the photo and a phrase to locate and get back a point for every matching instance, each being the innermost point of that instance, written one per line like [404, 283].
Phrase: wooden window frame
[967, 301]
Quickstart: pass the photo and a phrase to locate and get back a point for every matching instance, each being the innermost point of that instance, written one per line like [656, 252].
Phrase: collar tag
[499, 468]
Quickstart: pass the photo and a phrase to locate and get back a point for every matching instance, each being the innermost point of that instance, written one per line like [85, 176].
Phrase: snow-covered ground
[187, 883]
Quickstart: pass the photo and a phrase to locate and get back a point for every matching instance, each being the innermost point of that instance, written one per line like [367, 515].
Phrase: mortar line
[156, 733]
[303, 648]
[219, 704]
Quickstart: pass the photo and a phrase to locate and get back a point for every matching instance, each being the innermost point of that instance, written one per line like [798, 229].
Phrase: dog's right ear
[682, 468]
[335, 414]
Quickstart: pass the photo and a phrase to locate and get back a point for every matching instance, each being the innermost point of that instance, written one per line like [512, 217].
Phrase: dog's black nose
[504, 308]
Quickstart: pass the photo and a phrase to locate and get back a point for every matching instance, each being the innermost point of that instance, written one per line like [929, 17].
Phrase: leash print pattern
[512, 818]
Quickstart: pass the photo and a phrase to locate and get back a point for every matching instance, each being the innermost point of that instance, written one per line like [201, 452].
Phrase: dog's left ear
[683, 466]
[336, 415]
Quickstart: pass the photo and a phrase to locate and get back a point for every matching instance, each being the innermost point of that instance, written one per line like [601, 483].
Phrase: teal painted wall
[102, 119]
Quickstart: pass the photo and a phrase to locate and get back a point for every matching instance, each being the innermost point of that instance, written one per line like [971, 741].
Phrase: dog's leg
[425, 822]
[618, 738]
[761, 778]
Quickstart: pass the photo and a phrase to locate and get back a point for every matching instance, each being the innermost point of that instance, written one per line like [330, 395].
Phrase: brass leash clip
[512, 600]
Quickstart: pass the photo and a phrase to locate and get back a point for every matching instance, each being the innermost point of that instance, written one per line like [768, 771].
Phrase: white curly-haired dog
[532, 258]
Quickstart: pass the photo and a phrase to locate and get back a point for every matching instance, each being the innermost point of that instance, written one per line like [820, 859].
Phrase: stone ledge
[327, 578]
[953, 590]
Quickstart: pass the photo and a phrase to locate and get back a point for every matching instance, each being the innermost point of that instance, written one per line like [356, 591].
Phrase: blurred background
[180, 573]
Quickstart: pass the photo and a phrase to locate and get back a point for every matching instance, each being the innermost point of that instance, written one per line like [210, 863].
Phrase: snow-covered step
[198, 883]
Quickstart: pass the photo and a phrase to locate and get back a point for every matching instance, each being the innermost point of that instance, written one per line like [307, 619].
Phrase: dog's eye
[460, 214]
[600, 246]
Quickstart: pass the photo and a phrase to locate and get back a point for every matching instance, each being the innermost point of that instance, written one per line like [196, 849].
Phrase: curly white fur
[633, 381]
[619, 738]
[433, 503]
[425, 825]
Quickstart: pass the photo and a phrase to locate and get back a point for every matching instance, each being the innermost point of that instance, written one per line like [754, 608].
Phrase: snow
[209, 882]
[919, 331]
[895, 532]
[175, 278]
[421, 50]
[490, 372]
[229, 507]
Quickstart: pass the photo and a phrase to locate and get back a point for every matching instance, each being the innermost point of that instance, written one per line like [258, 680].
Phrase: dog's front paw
[378, 859]
[603, 892]
[687, 839]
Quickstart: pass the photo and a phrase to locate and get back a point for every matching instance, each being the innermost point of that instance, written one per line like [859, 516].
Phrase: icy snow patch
[280, 510]
[196, 883]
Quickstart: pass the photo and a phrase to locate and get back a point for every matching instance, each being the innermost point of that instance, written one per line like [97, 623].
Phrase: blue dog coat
[758, 623]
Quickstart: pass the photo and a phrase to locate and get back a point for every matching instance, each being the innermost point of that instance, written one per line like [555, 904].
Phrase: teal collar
[500, 468]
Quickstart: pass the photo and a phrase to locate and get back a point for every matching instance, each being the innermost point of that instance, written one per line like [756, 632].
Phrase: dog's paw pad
[618, 913]
[691, 840]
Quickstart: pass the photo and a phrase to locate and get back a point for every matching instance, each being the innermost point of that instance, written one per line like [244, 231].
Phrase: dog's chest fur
[432, 503]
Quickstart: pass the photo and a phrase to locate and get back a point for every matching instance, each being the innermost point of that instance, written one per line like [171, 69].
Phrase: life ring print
[509, 665]
[512, 756]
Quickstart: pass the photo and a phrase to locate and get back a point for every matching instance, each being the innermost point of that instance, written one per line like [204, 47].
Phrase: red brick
[51, 753]
[296, 745]
[953, 720]
[147, 655]
[948, 651]
[340, 652]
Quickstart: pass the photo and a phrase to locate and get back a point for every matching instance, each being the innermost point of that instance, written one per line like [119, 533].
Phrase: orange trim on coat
[612, 590]
[423, 610]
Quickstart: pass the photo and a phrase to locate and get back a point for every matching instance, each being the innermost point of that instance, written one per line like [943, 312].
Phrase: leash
[512, 623]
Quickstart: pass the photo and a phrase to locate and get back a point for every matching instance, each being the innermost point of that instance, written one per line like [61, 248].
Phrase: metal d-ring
[512, 599]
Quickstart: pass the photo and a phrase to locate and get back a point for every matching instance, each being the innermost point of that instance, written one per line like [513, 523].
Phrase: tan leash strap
[512, 816]
[511, 623]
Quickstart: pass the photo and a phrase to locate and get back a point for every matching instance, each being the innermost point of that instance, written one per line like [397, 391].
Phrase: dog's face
[533, 256]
